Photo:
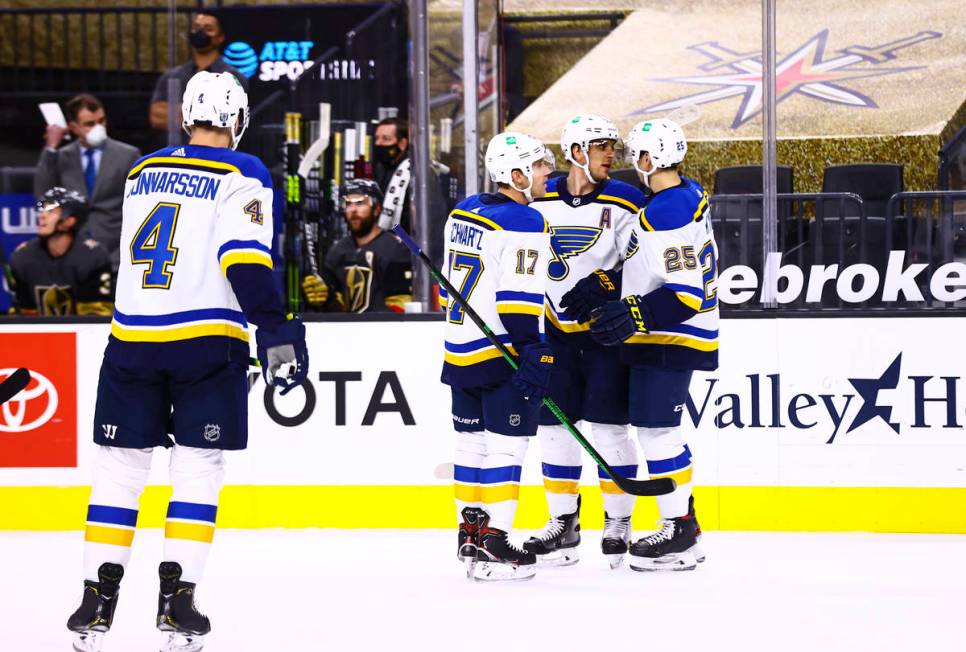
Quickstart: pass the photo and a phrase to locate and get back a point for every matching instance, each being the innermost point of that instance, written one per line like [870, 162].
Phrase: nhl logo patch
[514, 420]
[575, 201]
[212, 432]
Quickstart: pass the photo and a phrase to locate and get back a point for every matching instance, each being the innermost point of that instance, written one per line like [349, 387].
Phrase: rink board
[809, 424]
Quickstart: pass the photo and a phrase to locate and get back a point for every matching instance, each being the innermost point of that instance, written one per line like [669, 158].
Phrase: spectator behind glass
[59, 273]
[206, 40]
[94, 166]
[369, 270]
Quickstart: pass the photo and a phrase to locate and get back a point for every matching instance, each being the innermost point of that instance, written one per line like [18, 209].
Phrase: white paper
[53, 114]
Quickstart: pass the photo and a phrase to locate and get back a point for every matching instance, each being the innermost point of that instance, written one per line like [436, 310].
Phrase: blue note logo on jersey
[569, 241]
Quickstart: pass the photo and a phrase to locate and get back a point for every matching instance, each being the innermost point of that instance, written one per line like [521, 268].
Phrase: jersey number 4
[473, 266]
[152, 245]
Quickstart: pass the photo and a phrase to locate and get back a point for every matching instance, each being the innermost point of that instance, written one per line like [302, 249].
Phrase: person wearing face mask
[94, 166]
[369, 270]
[57, 273]
[206, 39]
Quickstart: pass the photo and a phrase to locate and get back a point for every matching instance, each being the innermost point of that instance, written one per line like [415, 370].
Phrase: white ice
[392, 590]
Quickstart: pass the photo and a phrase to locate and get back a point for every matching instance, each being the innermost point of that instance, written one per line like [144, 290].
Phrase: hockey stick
[14, 383]
[312, 154]
[657, 487]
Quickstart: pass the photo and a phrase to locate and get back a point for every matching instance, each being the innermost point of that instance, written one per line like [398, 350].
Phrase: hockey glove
[282, 345]
[532, 377]
[316, 291]
[616, 321]
[589, 293]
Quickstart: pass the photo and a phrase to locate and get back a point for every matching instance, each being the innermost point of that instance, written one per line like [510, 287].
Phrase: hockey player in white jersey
[591, 220]
[497, 251]
[667, 327]
[196, 268]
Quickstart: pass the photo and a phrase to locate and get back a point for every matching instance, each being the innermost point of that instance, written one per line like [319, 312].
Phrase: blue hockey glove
[284, 344]
[616, 321]
[532, 377]
[590, 292]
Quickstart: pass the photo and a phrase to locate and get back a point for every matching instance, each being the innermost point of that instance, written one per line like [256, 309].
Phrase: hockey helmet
[216, 99]
[582, 130]
[663, 139]
[366, 187]
[511, 150]
[71, 202]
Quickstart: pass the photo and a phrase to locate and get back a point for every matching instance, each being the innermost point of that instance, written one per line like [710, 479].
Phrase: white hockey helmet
[215, 99]
[511, 150]
[581, 130]
[662, 139]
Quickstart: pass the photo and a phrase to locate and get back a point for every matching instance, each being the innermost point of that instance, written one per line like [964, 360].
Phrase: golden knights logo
[569, 241]
[54, 300]
[358, 283]
[806, 71]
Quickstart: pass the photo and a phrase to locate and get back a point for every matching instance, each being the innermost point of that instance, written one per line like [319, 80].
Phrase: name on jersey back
[177, 183]
[466, 235]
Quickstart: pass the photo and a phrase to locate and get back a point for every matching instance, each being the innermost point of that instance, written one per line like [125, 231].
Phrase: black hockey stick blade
[656, 487]
[13, 384]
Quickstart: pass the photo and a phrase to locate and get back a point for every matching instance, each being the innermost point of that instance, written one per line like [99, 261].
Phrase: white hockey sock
[668, 457]
[196, 477]
[470, 450]
[119, 478]
[500, 478]
[620, 451]
[561, 462]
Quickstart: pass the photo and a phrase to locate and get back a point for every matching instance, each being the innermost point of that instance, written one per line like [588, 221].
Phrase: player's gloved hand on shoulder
[590, 292]
[532, 377]
[616, 321]
[315, 289]
[283, 345]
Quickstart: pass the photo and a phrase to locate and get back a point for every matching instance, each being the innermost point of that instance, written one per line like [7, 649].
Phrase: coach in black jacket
[70, 167]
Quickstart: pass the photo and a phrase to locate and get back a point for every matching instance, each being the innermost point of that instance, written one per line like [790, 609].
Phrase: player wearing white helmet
[497, 251]
[667, 327]
[196, 269]
[591, 219]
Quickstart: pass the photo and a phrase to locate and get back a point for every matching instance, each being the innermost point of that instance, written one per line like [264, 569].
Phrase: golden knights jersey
[496, 256]
[674, 269]
[190, 215]
[588, 232]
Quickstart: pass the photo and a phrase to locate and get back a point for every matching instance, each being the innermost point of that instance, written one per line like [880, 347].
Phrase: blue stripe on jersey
[510, 295]
[628, 471]
[180, 317]
[677, 287]
[242, 244]
[192, 511]
[561, 472]
[112, 515]
[684, 329]
[500, 474]
[667, 466]
[467, 474]
[469, 347]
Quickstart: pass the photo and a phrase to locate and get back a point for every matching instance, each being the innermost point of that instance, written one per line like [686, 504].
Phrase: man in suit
[94, 165]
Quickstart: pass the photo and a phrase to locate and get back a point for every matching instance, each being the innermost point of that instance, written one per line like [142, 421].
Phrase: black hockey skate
[556, 544]
[468, 537]
[698, 551]
[96, 613]
[497, 559]
[616, 537]
[670, 548]
[177, 616]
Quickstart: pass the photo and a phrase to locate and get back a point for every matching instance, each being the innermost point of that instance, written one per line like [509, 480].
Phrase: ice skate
[696, 548]
[670, 548]
[499, 560]
[96, 613]
[468, 537]
[616, 537]
[185, 627]
[556, 544]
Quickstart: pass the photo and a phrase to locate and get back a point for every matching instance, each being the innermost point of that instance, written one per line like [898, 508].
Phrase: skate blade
[490, 571]
[558, 558]
[615, 561]
[681, 561]
[177, 642]
[90, 641]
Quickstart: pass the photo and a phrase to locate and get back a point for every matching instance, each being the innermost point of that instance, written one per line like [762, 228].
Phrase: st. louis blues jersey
[196, 259]
[589, 232]
[496, 256]
[675, 270]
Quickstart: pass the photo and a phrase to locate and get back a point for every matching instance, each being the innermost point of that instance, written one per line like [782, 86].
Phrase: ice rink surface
[359, 590]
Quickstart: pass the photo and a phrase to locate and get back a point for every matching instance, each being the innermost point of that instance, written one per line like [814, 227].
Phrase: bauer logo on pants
[38, 426]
